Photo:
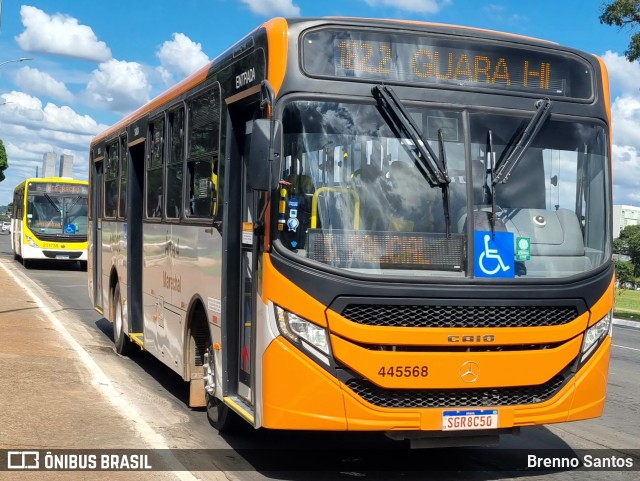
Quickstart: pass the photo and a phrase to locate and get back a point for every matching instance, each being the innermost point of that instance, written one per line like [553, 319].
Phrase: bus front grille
[66, 254]
[451, 398]
[458, 316]
[60, 237]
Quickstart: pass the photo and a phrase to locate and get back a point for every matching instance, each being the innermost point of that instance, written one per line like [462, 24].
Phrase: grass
[627, 304]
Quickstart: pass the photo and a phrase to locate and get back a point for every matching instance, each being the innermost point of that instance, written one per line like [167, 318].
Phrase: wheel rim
[118, 320]
[209, 373]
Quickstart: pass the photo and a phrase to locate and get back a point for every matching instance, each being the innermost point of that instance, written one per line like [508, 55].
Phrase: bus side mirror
[263, 162]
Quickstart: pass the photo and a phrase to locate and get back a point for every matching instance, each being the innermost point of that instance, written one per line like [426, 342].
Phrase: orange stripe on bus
[278, 38]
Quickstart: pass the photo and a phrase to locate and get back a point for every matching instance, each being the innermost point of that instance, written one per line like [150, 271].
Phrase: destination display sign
[57, 188]
[462, 62]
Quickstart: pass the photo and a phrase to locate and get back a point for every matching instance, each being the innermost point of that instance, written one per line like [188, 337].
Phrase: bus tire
[26, 263]
[220, 416]
[123, 344]
[83, 265]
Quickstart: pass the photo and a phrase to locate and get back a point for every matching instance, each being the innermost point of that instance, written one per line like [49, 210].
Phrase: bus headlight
[595, 334]
[31, 242]
[301, 332]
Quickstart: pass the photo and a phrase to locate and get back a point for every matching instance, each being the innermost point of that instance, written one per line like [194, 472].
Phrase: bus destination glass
[57, 188]
[466, 63]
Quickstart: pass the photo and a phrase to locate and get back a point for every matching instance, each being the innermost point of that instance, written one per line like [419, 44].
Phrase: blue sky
[95, 61]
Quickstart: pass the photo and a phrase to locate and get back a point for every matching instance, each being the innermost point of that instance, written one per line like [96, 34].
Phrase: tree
[629, 244]
[3, 160]
[624, 13]
[624, 274]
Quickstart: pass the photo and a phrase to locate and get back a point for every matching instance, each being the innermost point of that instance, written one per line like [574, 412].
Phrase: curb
[624, 322]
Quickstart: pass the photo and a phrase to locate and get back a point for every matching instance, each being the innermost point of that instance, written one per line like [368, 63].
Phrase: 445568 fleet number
[403, 371]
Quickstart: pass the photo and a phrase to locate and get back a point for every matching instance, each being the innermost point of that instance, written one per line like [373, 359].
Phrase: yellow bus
[367, 225]
[49, 220]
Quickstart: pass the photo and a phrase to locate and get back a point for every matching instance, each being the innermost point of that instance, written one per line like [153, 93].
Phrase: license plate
[62, 257]
[470, 420]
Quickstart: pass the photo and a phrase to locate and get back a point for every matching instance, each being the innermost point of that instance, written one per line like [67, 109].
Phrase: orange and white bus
[367, 225]
[49, 220]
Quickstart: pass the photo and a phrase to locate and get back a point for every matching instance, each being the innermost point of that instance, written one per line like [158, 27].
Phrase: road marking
[100, 379]
[625, 347]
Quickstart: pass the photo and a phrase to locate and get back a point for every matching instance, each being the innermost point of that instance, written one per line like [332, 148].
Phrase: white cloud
[626, 172]
[419, 6]
[273, 7]
[23, 111]
[118, 86]
[29, 129]
[625, 112]
[500, 14]
[60, 35]
[38, 82]
[623, 75]
[180, 55]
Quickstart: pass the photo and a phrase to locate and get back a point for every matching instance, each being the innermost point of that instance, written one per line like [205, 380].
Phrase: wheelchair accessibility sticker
[494, 254]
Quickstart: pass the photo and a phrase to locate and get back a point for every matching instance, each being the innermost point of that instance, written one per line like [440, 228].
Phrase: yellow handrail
[314, 204]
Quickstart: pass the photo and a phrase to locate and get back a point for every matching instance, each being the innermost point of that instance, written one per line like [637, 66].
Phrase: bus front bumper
[71, 253]
[298, 394]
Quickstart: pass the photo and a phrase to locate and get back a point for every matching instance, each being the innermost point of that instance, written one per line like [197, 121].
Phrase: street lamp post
[21, 59]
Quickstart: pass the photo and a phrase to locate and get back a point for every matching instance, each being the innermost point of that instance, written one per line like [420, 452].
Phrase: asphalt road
[160, 397]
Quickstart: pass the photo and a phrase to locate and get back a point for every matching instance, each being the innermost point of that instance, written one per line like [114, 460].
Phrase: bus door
[246, 215]
[248, 269]
[97, 201]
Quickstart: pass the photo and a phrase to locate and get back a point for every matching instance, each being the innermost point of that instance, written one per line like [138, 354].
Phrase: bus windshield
[58, 215]
[353, 194]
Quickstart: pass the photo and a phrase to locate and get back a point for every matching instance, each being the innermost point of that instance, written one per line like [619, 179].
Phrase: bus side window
[155, 162]
[124, 167]
[203, 153]
[111, 181]
[174, 163]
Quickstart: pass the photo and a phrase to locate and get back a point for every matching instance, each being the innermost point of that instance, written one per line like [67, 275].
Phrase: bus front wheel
[123, 344]
[218, 413]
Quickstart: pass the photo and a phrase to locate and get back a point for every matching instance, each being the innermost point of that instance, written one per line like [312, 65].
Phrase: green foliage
[627, 303]
[4, 164]
[629, 244]
[624, 13]
[624, 272]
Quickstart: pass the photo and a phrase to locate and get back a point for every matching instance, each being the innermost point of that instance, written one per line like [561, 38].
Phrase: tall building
[49, 164]
[66, 165]
[624, 215]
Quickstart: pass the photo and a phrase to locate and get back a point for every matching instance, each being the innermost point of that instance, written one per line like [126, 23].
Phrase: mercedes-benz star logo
[469, 371]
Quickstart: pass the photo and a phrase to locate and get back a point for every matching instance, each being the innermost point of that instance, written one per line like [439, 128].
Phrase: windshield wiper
[427, 160]
[432, 167]
[489, 188]
[509, 161]
[55, 206]
[445, 188]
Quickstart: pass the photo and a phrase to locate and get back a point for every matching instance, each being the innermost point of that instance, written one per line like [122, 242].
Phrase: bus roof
[58, 180]
[278, 27]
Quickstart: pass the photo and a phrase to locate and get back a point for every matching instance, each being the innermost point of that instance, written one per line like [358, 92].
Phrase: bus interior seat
[526, 187]
[415, 206]
[557, 245]
[373, 215]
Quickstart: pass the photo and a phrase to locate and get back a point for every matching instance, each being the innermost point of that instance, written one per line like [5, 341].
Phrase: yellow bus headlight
[300, 331]
[31, 242]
